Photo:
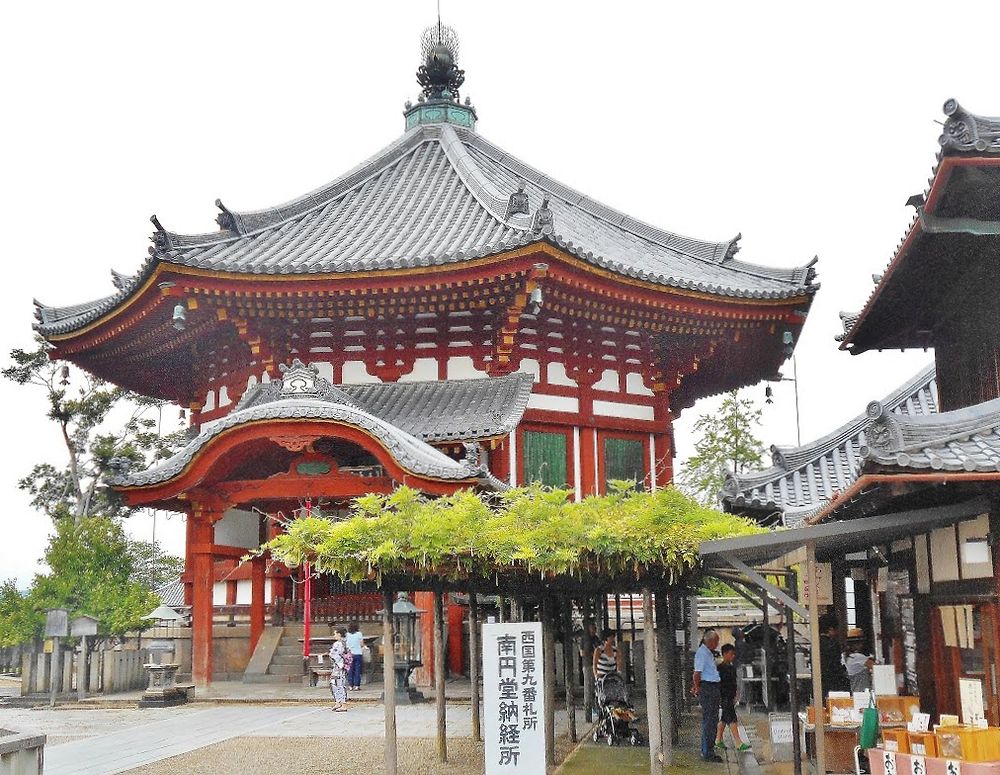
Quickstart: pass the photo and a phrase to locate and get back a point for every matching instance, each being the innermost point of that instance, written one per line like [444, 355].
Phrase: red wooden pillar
[456, 626]
[424, 675]
[588, 461]
[202, 581]
[663, 455]
[257, 581]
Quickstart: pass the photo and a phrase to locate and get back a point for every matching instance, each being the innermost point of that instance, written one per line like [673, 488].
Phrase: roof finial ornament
[226, 219]
[734, 247]
[518, 203]
[544, 221]
[439, 75]
[161, 237]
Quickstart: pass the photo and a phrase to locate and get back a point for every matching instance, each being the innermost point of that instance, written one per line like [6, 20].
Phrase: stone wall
[21, 753]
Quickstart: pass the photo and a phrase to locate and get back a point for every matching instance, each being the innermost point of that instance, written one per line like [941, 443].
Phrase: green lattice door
[624, 459]
[545, 458]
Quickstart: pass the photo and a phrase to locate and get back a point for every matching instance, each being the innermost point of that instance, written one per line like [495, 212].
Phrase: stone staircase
[285, 664]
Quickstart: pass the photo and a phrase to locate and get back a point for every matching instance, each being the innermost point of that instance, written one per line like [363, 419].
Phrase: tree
[84, 415]
[726, 442]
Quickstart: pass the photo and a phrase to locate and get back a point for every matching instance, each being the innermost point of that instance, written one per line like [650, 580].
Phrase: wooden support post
[569, 673]
[475, 666]
[549, 657]
[793, 682]
[767, 673]
[652, 685]
[202, 581]
[814, 645]
[389, 680]
[55, 673]
[665, 673]
[439, 703]
[257, 583]
[588, 661]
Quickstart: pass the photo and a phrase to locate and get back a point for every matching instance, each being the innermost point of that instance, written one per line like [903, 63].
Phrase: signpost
[82, 627]
[514, 698]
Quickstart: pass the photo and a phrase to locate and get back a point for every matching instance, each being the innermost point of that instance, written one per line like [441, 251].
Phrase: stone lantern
[407, 646]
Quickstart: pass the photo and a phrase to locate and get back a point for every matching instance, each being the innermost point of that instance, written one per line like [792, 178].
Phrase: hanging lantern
[535, 302]
[64, 373]
[180, 317]
[182, 416]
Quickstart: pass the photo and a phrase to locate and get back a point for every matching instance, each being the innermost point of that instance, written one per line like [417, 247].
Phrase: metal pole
[814, 645]
[307, 603]
[665, 672]
[587, 649]
[795, 378]
[631, 614]
[768, 696]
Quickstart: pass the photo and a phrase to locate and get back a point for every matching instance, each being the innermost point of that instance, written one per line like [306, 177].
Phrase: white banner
[514, 698]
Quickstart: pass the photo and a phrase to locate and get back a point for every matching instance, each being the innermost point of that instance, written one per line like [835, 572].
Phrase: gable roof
[804, 479]
[442, 195]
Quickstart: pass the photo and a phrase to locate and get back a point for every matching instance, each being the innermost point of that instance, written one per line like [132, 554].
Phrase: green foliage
[83, 410]
[94, 569]
[528, 529]
[16, 618]
[726, 442]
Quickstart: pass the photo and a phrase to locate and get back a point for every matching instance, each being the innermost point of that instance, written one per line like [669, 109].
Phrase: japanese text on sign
[513, 698]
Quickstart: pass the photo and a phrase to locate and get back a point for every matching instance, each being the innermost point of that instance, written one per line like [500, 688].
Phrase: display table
[932, 765]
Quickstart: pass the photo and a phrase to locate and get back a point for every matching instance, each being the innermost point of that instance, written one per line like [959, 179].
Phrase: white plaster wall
[424, 369]
[635, 385]
[629, 411]
[356, 373]
[462, 367]
[530, 366]
[324, 368]
[243, 587]
[554, 403]
[556, 374]
[219, 593]
[608, 381]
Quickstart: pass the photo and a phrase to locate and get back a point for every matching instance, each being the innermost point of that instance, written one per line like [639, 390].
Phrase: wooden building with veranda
[442, 316]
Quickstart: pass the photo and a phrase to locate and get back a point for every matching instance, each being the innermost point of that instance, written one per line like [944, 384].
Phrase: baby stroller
[615, 712]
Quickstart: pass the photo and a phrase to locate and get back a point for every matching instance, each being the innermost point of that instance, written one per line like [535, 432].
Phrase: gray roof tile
[403, 416]
[439, 195]
[803, 479]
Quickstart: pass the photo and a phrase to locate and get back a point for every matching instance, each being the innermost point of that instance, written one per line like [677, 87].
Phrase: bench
[187, 689]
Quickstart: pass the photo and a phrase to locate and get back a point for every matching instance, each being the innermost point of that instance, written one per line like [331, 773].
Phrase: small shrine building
[443, 316]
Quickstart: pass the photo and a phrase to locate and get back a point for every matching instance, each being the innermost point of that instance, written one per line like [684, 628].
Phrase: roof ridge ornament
[964, 131]
[543, 221]
[227, 219]
[734, 247]
[518, 203]
[161, 238]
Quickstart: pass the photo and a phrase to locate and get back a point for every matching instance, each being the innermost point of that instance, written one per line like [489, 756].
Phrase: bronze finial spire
[439, 75]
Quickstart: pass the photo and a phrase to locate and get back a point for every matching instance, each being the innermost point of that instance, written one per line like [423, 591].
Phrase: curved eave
[160, 269]
[413, 456]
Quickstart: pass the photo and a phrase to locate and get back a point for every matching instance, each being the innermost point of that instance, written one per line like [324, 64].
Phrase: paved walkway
[129, 748]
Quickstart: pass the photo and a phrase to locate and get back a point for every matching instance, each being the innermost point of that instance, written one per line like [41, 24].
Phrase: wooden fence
[108, 670]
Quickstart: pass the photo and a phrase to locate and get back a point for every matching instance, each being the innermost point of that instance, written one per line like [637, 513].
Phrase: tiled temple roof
[804, 479]
[439, 195]
[960, 440]
[302, 395]
[171, 594]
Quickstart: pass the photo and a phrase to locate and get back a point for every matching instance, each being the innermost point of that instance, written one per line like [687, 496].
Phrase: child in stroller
[615, 712]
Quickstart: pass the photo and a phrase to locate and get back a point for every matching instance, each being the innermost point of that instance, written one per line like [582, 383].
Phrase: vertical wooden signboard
[513, 698]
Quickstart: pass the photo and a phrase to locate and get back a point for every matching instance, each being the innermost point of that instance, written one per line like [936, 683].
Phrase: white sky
[806, 128]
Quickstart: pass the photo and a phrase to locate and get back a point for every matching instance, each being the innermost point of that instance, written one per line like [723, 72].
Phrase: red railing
[341, 610]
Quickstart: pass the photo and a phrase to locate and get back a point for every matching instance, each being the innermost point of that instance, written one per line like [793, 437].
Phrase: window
[624, 459]
[545, 458]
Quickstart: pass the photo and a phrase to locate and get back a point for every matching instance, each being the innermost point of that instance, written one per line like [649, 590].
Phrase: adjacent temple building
[914, 483]
[442, 316]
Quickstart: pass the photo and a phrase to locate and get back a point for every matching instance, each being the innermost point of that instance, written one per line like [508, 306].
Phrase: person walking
[340, 659]
[705, 686]
[355, 643]
[831, 656]
[727, 692]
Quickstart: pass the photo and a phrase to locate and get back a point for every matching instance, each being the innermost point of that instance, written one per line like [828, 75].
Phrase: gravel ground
[358, 756]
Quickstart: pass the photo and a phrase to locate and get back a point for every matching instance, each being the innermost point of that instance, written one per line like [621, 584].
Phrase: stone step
[292, 660]
[272, 679]
[288, 670]
[288, 651]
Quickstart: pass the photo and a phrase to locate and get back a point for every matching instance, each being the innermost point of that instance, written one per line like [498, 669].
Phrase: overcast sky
[804, 129]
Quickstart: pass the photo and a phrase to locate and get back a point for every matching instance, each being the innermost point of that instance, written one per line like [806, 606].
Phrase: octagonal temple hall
[443, 315]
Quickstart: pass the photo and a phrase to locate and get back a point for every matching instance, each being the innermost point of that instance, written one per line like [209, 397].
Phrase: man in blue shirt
[705, 687]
